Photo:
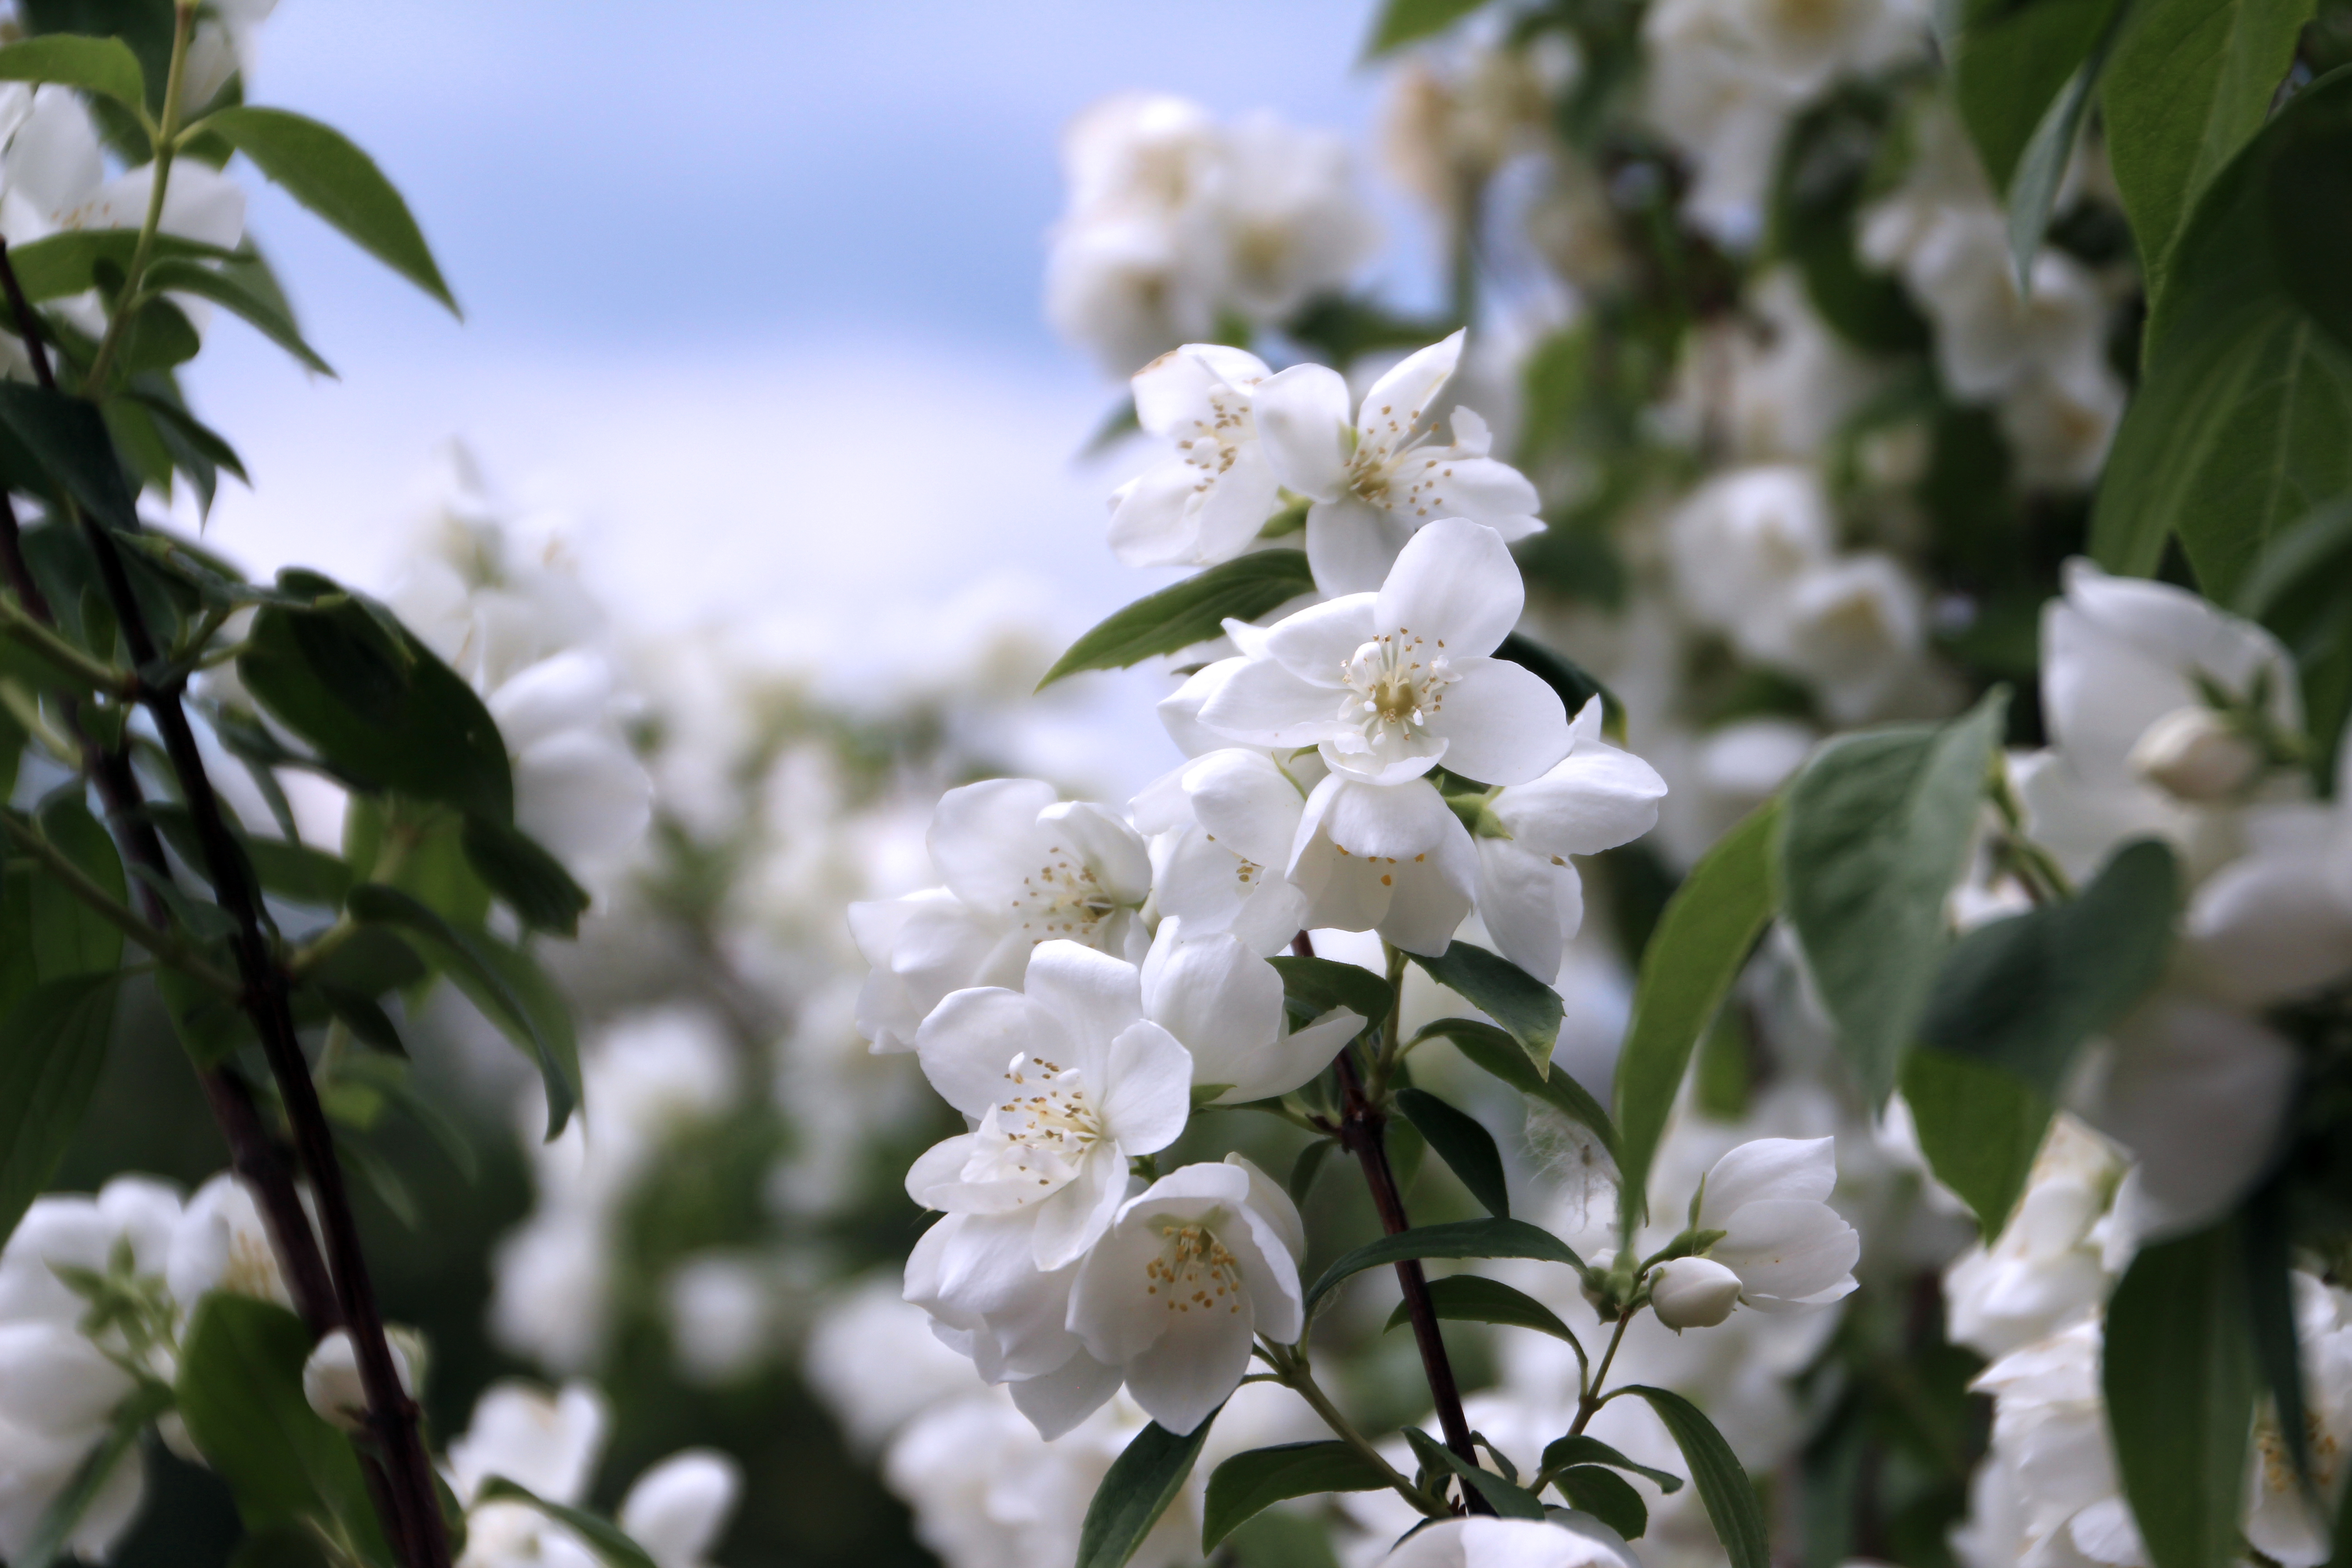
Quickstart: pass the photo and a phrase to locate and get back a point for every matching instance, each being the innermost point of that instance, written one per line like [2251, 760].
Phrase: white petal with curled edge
[1058, 1400]
[1222, 1001]
[1247, 802]
[1147, 1092]
[1173, 391]
[981, 837]
[1484, 490]
[1105, 844]
[1093, 994]
[1788, 1253]
[1503, 723]
[1455, 582]
[971, 1038]
[1293, 1059]
[1303, 423]
[1153, 518]
[1411, 394]
[1520, 898]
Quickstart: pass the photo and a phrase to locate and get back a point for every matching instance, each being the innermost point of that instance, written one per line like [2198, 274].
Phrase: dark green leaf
[1467, 1148]
[1462, 1238]
[1490, 1048]
[2314, 550]
[189, 439]
[68, 937]
[1508, 1500]
[2024, 993]
[610, 1547]
[293, 871]
[95, 65]
[533, 882]
[1701, 943]
[1979, 1125]
[1607, 1497]
[1141, 1482]
[120, 1445]
[68, 263]
[1468, 1299]
[378, 708]
[1527, 1008]
[52, 1053]
[2179, 1382]
[1723, 1486]
[1316, 985]
[1575, 686]
[69, 438]
[160, 338]
[1877, 829]
[365, 1018]
[1583, 1449]
[241, 1393]
[2266, 1234]
[1250, 1482]
[180, 275]
[2010, 58]
[320, 169]
[2034, 189]
[1403, 21]
[1308, 1166]
[2192, 82]
[501, 981]
[1188, 612]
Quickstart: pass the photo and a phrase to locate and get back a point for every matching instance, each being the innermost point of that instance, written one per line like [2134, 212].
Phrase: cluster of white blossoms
[1177, 224]
[95, 1293]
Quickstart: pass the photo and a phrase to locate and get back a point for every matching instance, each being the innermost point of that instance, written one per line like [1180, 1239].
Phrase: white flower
[1389, 684]
[1789, 1248]
[1066, 1080]
[1207, 503]
[1595, 798]
[1292, 222]
[1194, 1266]
[2276, 924]
[2280, 1520]
[1705, 92]
[2061, 1501]
[1568, 1540]
[1220, 829]
[1021, 868]
[2043, 1270]
[1224, 1002]
[1693, 1292]
[1741, 542]
[676, 1508]
[332, 1381]
[221, 1244]
[1387, 857]
[1378, 475]
[546, 1443]
[580, 789]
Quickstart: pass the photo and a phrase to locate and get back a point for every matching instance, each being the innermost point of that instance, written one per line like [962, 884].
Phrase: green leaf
[1980, 1127]
[1467, 1148]
[1307, 1167]
[55, 1527]
[501, 981]
[516, 868]
[1489, 1047]
[2010, 60]
[2042, 166]
[2266, 1232]
[1723, 1486]
[68, 263]
[1188, 612]
[94, 65]
[1583, 1450]
[1575, 686]
[1877, 829]
[1509, 1498]
[1469, 1299]
[2190, 83]
[2179, 1382]
[179, 275]
[1824, 177]
[2024, 993]
[1527, 1008]
[2243, 423]
[1313, 986]
[1141, 1482]
[1461, 1238]
[292, 871]
[320, 168]
[241, 1393]
[1607, 1497]
[187, 436]
[1251, 1482]
[1701, 943]
[1403, 22]
[2313, 550]
[66, 936]
[379, 708]
[612, 1547]
[52, 1054]
[69, 440]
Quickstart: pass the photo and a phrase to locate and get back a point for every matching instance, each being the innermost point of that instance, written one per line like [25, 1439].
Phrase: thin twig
[1292, 1371]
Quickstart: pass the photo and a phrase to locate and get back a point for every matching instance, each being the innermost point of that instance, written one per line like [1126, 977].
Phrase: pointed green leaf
[1490, 1048]
[1462, 1238]
[519, 870]
[1316, 985]
[1188, 612]
[2010, 58]
[1467, 1148]
[231, 293]
[1582, 1448]
[1403, 22]
[2041, 167]
[1140, 1484]
[52, 1053]
[612, 1547]
[1470, 1298]
[1251, 1482]
[1507, 1499]
[1723, 1485]
[1525, 1006]
[103, 65]
[1980, 1127]
[1607, 1497]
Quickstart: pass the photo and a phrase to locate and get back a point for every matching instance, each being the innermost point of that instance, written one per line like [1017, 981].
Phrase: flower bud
[331, 1378]
[2196, 754]
[1692, 1293]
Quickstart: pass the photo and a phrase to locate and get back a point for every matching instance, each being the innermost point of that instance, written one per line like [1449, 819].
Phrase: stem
[1593, 1398]
[1363, 1132]
[157, 940]
[166, 147]
[1291, 1370]
[67, 659]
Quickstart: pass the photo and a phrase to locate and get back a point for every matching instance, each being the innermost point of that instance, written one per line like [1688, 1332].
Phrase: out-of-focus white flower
[2276, 924]
[1021, 867]
[1595, 798]
[2281, 1523]
[1389, 684]
[1379, 473]
[1208, 503]
[2045, 1270]
[1570, 1540]
[1194, 1268]
[1066, 1080]
[332, 1381]
[677, 1509]
[1741, 542]
[221, 1244]
[222, 45]
[1292, 219]
[1795, 380]
[546, 1443]
[721, 1316]
[872, 1358]
[2059, 1500]
[1791, 1249]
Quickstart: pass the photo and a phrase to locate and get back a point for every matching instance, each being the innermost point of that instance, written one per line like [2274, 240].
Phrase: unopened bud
[331, 1378]
[2197, 754]
[1692, 1293]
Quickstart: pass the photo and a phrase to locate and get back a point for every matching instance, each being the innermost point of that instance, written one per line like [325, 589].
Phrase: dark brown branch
[1363, 1132]
[29, 325]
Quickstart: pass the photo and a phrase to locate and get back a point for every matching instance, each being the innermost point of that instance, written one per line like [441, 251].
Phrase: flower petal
[1765, 1170]
[1316, 644]
[1147, 1091]
[1352, 546]
[1303, 423]
[1173, 390]
[1263, 702]
[1093, 995]
[1412, 395]
[1530, 906]
[972, 1037]
[1058, 1400]
[981, 838]
[1455, 582]
[1595, 798]
[1502, 722]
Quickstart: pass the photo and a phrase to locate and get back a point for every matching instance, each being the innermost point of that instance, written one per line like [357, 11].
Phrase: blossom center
[1042, 1132]
[1216, 444]
[1192, 1271]
[1063, 898]
[1396, 686]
